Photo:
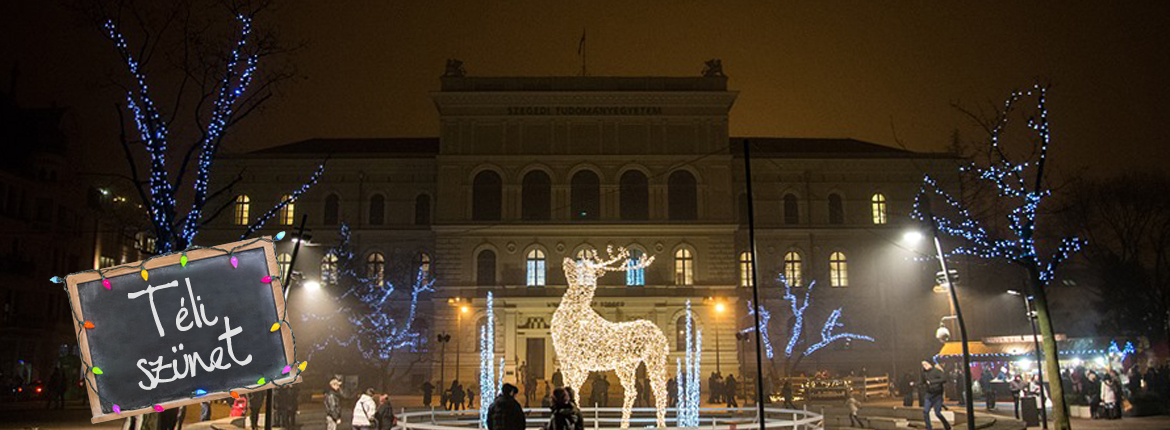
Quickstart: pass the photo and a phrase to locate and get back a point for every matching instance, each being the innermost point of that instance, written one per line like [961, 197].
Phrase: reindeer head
[583, 273]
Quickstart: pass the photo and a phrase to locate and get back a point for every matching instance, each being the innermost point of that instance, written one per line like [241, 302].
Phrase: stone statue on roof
[454, 69]
[714, 68]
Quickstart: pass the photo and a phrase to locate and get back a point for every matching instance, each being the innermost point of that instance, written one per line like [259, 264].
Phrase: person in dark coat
[333, 404]
[988, 392]
[385, 414]
[565, 415]
[786, 392]
[428, 390]
[906, 389]
[1017, 388]
[672, 392]
[729, 386]
[558, 380]
[934, 384]
[255, 404]
[455, 396]
[505, 412]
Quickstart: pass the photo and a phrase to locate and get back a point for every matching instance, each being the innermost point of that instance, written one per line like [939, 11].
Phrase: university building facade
[528, 171]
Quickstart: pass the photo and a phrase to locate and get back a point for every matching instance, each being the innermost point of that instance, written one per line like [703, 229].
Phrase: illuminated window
[486, 195]
[284, 259]
[241, 212]
[792, 269]
[684, 267]
[585, 196]
[377, 214]
[485, 268]
[682, 197]
[836, 209]
[536, 197]
[332, 209]
[838, 270]
[535, 268]
[635, 276]
[791, 210]
[680, 332]
[745, 269]
[879, 208]
[424, 265]
[635, 196]
[376, 267]
[287, 213]
[329, 268]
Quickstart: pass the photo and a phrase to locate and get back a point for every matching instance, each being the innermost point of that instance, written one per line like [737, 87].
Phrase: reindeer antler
[622, 256]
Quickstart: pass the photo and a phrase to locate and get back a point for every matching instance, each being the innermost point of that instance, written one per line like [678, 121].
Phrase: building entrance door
[535, 357]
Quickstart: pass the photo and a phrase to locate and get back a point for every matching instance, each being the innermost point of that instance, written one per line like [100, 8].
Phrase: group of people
[1104, 390]
[454, 398]
[722, 390]
[506, 413]
[372, 411]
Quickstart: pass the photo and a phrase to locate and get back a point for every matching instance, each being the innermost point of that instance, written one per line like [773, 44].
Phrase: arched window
[878, 202]
[376, 268]
[485, 268]
[791, 210]
[332, 209]
[329, 268]
[838, 270]
[635, 196]
[284, 260]
[635, 276]
[535, 268]
[535, 196]
[745, 269]
[836, 209]
[682, 196]
[485, 200]
[241, 213]
[422, 210]
[684, 267]
[585, 193]
[377, 209]
[287, 214]
[424, 265]
[792, 269]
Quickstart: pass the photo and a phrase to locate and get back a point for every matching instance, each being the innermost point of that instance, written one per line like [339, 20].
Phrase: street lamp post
[443, 338]
[1039, 361]
[459, 337]
[740, 344]
[719, 309]
[942, 261]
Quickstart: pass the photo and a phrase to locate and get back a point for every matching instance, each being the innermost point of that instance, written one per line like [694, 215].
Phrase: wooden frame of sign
[73, 281]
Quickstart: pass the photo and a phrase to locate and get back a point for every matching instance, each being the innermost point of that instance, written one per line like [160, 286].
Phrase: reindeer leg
[626, 373]
[656, 370]
[574, 379]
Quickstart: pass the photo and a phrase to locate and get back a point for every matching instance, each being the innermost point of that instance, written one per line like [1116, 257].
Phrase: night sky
[861, 69]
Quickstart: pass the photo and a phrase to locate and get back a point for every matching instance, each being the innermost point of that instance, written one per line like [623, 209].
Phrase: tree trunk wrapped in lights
[689, 375]
[587, 342]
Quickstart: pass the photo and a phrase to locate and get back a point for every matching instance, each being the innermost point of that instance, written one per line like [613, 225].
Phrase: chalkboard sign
[182, 328]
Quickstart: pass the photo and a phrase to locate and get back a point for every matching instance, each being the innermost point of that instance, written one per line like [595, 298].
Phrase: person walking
[933, 385]
[333, 404]
[1093, 393]
[471, 397]
[564, 415]
[1017, 388]
[428, 390]
[558, 380]
[786, 392]
[529, 389]
[365, 411]
[854, 407]
[729, 386]
[672, 392]
[505, 412]
[385, 416]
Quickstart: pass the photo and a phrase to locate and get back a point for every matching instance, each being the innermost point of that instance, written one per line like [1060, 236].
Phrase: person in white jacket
[365, 411]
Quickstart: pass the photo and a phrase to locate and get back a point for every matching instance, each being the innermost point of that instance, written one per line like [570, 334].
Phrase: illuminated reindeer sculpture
[587, 342]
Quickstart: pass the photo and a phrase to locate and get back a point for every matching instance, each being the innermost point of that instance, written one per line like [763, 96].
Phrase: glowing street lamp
[720, 308]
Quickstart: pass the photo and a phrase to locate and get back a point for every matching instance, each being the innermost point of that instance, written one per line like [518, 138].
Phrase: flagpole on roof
[581, 51]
